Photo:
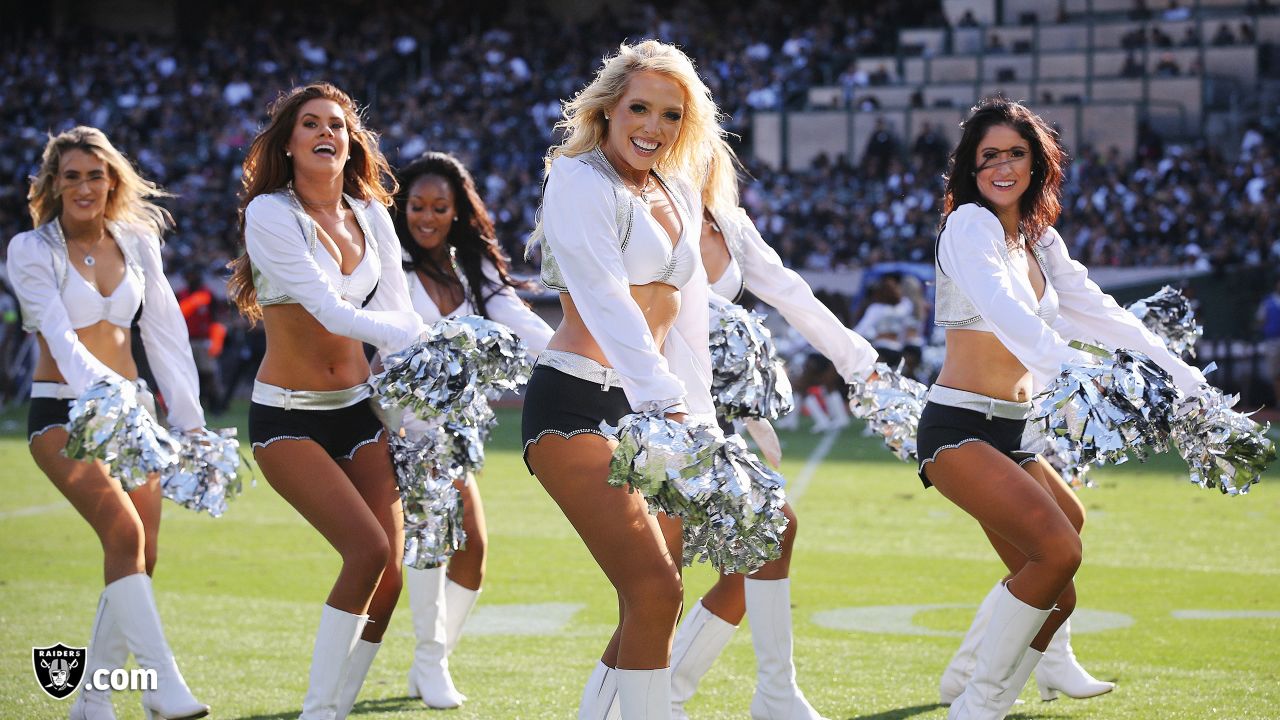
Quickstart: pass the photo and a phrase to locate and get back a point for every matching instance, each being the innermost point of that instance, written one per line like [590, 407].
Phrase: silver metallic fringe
[1224, 449]
[1169, 315]
[209, 471]
[891, 405]
[432, 505]
[108, 424]
[744, 521]
[748, 379]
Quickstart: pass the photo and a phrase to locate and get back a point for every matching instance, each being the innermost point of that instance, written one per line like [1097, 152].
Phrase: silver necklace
[88, 254]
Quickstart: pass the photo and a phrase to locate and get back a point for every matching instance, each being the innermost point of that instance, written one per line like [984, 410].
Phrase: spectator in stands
[1223, 35]
[967, 19]
[201, 313]
[1175, 12]
[1160, 38]
[879, 76]
[1139, 10]
[1191, 36]
[995, 46]
[1247, 35]
[930, 150]
[1268, 323]
[888, 319]
[1167, 66]
[1132, 66]
[882, 146]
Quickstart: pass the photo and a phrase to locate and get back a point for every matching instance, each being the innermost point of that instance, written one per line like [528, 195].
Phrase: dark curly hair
[1042, 202]
[472, 236]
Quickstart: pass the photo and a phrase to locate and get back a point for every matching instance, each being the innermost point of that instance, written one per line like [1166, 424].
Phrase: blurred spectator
[967, 19]
[206, 334]
[930, 150]
[1175, 12]
[995, 46]
[1223, 35]
[881, 147]
[888, 319]
[1268, 322]
[1167, 66]
[1191, 36]
[1132, 67]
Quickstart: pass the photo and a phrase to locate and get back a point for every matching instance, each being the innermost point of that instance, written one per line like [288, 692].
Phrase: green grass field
[240, 597]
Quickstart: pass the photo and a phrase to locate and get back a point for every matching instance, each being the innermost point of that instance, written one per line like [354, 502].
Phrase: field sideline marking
[34, 510]
[1223, 614]
[797, 488]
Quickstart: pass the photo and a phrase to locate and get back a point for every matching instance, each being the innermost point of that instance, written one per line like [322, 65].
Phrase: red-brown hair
[366, 176]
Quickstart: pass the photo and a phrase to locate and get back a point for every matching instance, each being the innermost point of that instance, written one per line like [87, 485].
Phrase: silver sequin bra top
[647, 250]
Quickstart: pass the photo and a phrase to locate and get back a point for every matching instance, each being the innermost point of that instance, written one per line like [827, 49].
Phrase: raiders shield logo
[59, 669]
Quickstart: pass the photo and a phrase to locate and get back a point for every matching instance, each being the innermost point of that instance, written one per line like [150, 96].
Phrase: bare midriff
[110, 344]
[978, 362]
[659, 302]
[303, 355]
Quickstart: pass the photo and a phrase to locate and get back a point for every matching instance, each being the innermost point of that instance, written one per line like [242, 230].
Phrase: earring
[606, 116]
[288, 153]
[455, 218]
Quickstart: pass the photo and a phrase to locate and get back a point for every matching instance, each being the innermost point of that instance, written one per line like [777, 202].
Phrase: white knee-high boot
[1005, 660]
[357, 670]
[429, 676]
[777, 696]
[838, 409]
[699, 641]
[644, 694]
[813, 406]
[107, 651]
[458, 602]
[957, 674]
[130, 602]
[1059, 671]
[336, 637]
[600, 695]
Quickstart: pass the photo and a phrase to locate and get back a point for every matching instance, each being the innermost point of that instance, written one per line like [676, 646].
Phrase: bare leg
[624, 539]
[309, 480]
[467, 565]
[372, 475]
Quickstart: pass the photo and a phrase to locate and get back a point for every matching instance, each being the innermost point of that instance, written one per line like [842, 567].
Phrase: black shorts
[558, 403]
[46, 414]
[943, 427]
[340, 432]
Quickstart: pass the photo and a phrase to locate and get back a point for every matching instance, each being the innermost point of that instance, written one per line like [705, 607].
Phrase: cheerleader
[619, 238]
[322, 272]
[738, 259]
[455, 267]
[88, 270]
[1004, 277]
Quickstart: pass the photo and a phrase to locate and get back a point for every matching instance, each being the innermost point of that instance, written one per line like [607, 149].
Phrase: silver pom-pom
[456, 360]
[667, 461]
[432, 505]
[1120, 405]
[748, 379]
[1170, 316]
[744, 520]
[209, 471]
[109, 424]
[891, 404]
[1223, 448]
[1064, 456]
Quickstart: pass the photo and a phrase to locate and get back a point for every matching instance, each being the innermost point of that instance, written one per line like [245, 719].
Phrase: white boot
[130, 602]
[1003, 656]
[1059, 672]
[769, 610]
[107, 651]
[336, 637]
[644, 694]
[458, 602]
[353, 676]
[429, 676]
[699, 640]
[813, 406]
[957, 674]
[600, 695]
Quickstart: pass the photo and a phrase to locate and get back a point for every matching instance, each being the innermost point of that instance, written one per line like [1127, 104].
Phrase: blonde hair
[584, 125]
[720, 191]
[128, 202]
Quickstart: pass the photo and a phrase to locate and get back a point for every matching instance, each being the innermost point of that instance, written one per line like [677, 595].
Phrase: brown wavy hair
[366, 176]
[473, 235]
[1041, 204]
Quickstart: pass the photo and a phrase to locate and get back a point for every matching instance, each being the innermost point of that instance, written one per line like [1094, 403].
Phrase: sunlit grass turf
[240, 596]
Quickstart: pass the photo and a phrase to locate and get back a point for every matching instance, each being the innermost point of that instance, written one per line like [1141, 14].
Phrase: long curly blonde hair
[128, 202]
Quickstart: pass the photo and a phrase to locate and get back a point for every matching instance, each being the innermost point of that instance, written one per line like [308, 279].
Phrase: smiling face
[320, 140]
[429, 211]
[645, 122]
[84, 183]
[1003, 167]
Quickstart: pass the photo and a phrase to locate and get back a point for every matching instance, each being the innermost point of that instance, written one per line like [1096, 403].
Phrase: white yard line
[34, 510]
[796, 487]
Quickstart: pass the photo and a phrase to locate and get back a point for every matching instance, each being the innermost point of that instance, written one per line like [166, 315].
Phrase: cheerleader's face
[84, 183]
[320, 140]
[429, 211]
[645, 122]
[1003, 166]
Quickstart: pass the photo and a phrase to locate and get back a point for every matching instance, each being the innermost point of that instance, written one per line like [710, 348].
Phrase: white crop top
[761, 271]
[504, 307]
[647, 251]
[56, 300]
[972, 254]
[289, 266]
[599, 240]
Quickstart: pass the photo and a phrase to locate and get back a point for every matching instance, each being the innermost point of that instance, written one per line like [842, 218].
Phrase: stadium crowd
[487, 88]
